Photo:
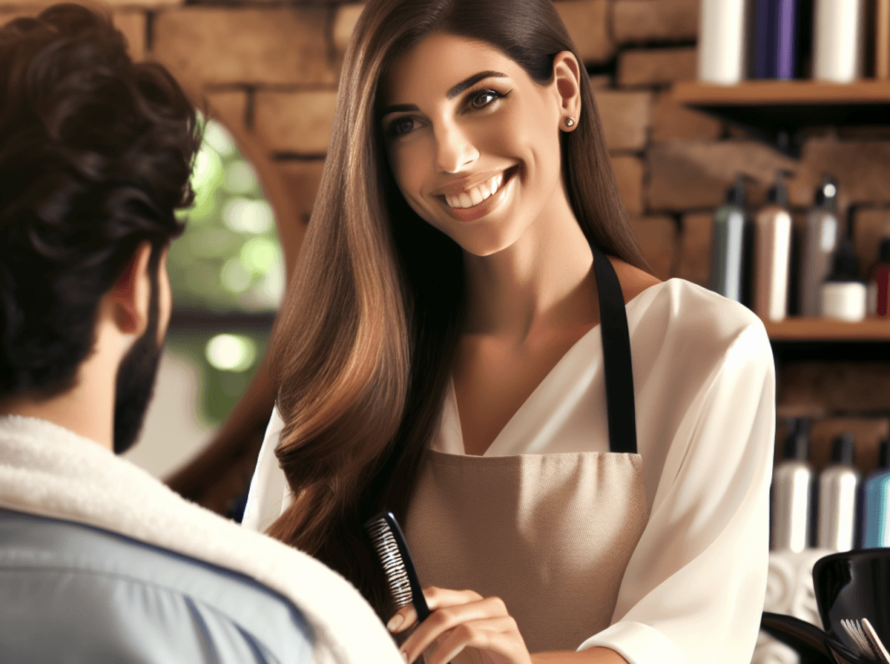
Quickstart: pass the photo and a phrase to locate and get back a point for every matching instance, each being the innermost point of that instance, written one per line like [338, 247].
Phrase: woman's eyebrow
[399, 108]
[475, 78]
[451, 94]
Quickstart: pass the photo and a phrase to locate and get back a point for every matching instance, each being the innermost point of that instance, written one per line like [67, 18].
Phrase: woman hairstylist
[579, 452]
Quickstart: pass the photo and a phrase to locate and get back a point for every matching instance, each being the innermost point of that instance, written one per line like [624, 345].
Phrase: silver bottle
[819, 242]
[792, 493]
[727, 250]
[772, 254]
[838, 495]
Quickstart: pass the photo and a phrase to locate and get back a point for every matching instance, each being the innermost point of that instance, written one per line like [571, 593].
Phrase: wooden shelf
[777, 111]
[759, 93]
[822, 329]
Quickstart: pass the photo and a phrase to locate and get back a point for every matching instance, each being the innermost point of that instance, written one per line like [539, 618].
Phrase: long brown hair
[365, 342]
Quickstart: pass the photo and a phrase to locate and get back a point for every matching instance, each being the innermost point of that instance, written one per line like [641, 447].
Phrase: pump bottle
[727, 251]
[792, 492]
[819, 243]
[772, 254]
[838, 493]
[875, 498]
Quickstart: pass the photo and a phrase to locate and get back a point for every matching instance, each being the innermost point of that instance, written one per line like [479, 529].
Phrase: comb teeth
[393, 565]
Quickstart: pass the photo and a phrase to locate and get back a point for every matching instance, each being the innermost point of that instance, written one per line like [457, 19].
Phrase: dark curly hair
[95, 155]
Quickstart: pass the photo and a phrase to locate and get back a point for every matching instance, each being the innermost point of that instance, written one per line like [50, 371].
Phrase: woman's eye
[483, 98]
[400, 127]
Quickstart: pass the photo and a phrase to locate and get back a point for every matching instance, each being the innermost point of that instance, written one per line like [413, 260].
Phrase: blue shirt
[75, 593]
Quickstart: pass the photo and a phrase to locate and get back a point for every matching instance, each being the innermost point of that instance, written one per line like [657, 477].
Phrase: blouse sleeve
[694, 588]
[269, 495]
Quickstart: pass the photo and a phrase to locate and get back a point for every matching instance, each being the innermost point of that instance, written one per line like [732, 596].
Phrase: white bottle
[844, 296]
[772, 254]
[721, 41]
[837, 40]
[838, 494]
[792, 492]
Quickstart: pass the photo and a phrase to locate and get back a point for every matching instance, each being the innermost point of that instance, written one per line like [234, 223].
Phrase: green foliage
[229, 257]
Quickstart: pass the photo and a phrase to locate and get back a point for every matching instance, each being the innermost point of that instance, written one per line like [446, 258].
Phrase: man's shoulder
[98, 591]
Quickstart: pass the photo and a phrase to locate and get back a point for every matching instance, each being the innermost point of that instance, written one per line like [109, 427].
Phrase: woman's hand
[461, 621]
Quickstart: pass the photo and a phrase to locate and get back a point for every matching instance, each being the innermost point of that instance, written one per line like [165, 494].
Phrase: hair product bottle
[875, 497]
[772, 254]
[837, 40]
[792, 492]
[838, 492]
[727, 252]
[819, 242]
[882, 40]
[879, 284]
[721, 41]
[844, 296]
[776, 39]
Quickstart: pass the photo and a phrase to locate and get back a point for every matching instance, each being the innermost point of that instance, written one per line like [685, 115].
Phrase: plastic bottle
[879, 284]
[727, 252]
[837, 40]
[844, 296]
[772, 254]
[838, 492]
[721, 41]
[776, 39]
[819, 243]
[875, 498]
[792, 492]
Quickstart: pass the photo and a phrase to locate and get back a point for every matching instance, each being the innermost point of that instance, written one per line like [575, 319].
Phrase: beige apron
[550, 534]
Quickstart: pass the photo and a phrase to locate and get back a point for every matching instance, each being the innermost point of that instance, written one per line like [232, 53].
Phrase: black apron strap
[616, 357]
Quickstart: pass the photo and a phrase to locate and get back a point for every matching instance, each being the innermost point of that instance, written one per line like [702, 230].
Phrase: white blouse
[704, 383]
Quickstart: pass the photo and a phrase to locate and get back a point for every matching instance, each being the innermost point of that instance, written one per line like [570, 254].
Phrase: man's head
[95, 155]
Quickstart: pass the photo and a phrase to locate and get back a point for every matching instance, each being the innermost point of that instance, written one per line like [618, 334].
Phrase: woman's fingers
[497, 637]
[463, 619]
[436, 598]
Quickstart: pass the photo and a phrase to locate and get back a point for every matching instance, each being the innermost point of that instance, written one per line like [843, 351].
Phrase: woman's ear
[130, 296]
[567, 79]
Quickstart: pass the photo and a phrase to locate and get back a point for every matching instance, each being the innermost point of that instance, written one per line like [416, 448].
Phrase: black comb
[392, 549]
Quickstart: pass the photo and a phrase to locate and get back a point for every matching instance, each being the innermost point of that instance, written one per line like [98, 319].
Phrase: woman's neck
[542, 280]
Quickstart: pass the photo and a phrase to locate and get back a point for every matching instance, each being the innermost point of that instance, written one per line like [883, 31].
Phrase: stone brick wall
[268, 71]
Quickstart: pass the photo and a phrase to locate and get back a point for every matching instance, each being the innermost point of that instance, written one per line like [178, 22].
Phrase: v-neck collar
[449, 437]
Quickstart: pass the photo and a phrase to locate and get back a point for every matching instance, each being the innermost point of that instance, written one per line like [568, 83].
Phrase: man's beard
[135, 381]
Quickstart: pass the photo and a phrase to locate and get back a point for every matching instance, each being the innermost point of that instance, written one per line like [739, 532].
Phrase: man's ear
[130, 296]
[567, 79]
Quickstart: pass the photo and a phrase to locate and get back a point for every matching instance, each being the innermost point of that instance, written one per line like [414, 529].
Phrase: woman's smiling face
[473, 141]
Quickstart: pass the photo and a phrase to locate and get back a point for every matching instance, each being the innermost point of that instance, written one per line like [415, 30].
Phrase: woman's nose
[454, 150]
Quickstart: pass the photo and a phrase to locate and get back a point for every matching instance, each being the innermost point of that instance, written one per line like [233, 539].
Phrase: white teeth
[477, 194]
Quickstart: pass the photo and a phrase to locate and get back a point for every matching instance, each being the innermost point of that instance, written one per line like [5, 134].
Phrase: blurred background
[689, 99]
[227, 277]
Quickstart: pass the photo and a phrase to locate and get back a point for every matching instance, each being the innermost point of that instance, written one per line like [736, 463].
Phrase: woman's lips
[487, 201]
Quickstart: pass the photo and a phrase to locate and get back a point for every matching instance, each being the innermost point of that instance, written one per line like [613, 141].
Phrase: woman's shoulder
[679, 316]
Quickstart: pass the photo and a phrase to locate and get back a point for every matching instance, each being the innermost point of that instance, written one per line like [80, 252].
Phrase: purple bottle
[775, 44]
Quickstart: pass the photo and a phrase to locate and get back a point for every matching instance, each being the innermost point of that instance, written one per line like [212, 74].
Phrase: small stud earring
[570, 122]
